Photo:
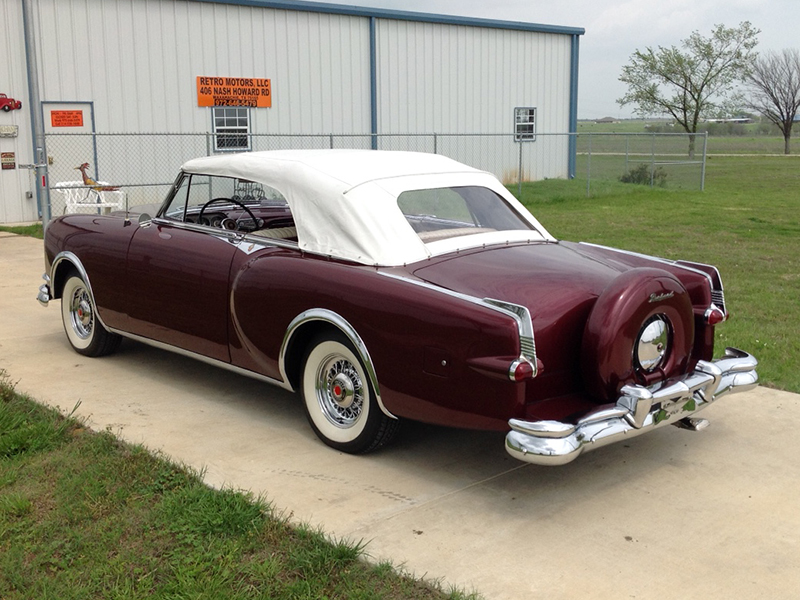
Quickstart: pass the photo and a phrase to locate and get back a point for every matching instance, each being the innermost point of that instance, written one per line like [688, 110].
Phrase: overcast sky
[615, 29]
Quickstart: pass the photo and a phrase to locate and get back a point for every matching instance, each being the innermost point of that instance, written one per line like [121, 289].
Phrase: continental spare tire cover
[641, 329]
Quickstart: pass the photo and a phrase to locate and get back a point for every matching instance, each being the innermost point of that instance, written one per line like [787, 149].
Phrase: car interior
[233, 204]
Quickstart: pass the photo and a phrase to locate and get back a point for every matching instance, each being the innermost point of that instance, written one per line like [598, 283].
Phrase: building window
[231, 129]
[525, 124]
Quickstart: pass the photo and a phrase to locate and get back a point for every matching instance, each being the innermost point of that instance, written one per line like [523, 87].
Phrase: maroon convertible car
[395, 285]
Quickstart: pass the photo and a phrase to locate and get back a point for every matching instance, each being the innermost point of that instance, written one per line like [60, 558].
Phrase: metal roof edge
[401, 15]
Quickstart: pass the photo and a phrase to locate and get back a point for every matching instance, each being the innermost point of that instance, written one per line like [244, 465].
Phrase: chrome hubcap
[653, 343]
[81, 313]
[343, 390]
[340, 391]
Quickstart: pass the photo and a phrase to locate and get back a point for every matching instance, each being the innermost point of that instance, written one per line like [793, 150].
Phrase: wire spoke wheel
[340, 391]
[83, 328]
[339, 399]
[81, 313]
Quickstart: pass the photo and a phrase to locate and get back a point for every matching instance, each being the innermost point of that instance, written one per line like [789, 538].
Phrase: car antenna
[127, 212]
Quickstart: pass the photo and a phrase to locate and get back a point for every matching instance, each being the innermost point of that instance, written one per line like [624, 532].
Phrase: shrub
[641, 175]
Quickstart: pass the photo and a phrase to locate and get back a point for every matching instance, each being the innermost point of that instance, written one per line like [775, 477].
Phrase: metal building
[237, 70]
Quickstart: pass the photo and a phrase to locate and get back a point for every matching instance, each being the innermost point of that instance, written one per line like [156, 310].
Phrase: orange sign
[234, 91]
[66, 118]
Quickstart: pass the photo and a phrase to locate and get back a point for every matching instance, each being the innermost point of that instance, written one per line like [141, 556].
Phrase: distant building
[731, 120]
[606, 120]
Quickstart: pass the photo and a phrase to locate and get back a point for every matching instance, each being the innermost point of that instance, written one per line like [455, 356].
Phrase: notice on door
[8, 160]
[66, 118]
[234, 91]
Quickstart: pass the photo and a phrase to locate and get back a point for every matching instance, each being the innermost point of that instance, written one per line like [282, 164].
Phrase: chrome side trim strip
[75, 261]
[210, 361]
[520, 314]
[228, 235]
[332, 318]
[527, 344]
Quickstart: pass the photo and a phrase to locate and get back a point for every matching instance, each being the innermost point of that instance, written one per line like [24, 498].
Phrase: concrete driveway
[672, 514]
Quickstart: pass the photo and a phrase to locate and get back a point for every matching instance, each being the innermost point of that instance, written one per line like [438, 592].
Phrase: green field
[751, 138]
[747, 223]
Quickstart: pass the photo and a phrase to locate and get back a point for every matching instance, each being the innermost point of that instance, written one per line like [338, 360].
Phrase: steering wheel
[228, 201]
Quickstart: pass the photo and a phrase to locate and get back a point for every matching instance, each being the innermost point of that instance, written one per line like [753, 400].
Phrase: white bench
[80, 198]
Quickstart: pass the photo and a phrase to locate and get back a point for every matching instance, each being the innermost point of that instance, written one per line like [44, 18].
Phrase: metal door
[70, 141]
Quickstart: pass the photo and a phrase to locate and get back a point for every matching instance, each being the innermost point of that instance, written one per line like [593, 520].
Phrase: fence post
[703, 167]
[519, 174]
[589, 167]
[627, 151]
[37, 123]
[652, 159]
[435, 143]
[331, 137]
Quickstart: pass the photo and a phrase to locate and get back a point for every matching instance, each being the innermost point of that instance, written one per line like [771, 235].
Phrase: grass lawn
[84, 516]
[747, 223]
[31, 230]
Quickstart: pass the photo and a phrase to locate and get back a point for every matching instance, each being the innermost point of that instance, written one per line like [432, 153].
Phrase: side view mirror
[144, 220]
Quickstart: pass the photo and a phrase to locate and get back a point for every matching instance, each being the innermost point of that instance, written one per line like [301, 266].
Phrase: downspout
[373, 82]
[573, 107]
[37, 120]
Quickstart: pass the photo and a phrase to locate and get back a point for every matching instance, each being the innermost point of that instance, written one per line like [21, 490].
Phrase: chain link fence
[667, 160]
[124, 170]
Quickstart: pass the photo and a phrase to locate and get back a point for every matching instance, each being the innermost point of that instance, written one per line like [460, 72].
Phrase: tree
[694, 81]
[775, 89]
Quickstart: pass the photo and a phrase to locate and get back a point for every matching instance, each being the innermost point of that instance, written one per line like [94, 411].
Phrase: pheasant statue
[88, 181]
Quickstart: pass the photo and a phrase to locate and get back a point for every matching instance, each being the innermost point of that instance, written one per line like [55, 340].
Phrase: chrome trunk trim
[717, 293]
[638, 410]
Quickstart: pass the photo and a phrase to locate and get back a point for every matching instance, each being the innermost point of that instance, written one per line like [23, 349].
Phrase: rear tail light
[521, 370]
[714, 315]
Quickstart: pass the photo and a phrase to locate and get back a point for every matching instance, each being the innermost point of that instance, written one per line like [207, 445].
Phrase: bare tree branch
[775, 90]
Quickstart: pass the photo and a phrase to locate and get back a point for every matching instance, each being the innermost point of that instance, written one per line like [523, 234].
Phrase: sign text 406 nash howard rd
[234, 91]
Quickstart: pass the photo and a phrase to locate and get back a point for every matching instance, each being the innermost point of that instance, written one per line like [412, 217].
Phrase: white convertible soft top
[344, 202]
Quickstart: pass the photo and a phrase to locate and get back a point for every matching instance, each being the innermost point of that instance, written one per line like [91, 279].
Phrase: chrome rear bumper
[638, 410]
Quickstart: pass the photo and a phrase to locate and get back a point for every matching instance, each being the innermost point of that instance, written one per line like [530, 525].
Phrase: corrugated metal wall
[457, 79]
[14, 183]
[461, 79]
[138, 60]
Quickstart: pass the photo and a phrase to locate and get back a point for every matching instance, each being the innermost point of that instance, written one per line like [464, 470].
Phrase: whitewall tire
[339, 400]
[84, 331]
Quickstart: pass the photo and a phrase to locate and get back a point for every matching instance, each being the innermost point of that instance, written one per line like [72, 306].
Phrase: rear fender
[290, 352]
